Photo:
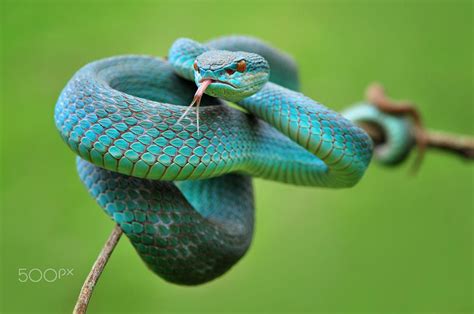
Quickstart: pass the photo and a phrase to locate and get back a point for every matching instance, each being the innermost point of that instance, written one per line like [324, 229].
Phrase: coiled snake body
[182, 195]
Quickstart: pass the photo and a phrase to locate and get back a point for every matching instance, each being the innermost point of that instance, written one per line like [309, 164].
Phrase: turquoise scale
[184, 198]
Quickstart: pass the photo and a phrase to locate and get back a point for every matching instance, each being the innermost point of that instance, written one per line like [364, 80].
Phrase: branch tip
[96, 271]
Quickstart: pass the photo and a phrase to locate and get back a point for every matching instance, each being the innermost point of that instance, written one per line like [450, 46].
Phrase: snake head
[230, 75]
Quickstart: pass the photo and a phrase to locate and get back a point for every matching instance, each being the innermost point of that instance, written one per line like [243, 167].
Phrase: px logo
[46, 275]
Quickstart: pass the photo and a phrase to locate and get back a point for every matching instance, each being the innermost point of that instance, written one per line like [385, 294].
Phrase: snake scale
[183, 195]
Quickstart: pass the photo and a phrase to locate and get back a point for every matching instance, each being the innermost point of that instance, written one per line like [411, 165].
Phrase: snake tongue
[200, 91]
[197, 100]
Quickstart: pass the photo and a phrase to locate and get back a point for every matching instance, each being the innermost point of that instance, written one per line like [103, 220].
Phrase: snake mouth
[214, 81]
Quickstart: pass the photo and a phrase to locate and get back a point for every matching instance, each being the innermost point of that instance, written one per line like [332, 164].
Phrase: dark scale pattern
[177, 242]
[120, 116]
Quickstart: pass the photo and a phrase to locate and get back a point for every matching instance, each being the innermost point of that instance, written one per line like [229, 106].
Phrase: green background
[394, 243]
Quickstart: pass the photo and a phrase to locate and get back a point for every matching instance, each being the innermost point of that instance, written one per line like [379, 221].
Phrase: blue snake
[178, 181]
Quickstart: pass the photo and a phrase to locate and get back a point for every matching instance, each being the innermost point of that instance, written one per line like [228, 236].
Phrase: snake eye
[196, 68]
[241, 66]
[229, 71]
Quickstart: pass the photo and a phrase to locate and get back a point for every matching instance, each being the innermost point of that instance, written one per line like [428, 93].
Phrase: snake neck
[182, 54]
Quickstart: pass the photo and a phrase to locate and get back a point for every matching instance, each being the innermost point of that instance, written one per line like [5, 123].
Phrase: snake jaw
[197, 100]
[218, 81]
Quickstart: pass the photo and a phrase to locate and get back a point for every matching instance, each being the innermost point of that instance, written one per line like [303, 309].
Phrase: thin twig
[461, 145]
[96, 271]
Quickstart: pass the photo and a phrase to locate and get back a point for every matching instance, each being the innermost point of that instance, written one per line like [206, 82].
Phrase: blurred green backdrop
[394, 243]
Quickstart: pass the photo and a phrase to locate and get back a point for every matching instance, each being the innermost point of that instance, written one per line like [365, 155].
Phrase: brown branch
[424, 139]
[376, 95]
[460, 145]
[96, 271]
[451, 143]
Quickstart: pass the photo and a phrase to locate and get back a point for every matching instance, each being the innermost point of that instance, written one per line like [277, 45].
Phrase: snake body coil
[183, 197]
